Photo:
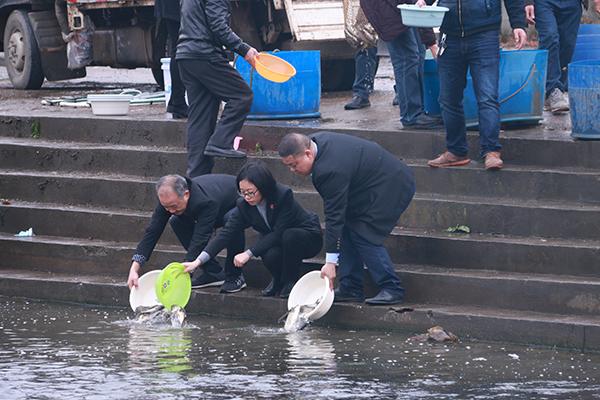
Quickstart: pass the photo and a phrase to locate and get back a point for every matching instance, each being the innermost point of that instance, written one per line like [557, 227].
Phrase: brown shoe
[447, 159]
[493, 161]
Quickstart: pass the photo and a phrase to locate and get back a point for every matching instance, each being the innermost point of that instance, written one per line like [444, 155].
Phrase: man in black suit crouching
[194, 208]
[365, 189]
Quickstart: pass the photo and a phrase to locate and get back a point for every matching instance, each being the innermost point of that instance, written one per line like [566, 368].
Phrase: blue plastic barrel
[299, 97]
[522, 88]
[584, 99]
[587, 46]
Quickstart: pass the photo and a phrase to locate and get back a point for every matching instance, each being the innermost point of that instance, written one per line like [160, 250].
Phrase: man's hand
[241, 259]
[132, 279]
[190, 266]
[328, 270]
[434, 50]
[251, 56]
[530, 14]
[421, 3]
[520, 37]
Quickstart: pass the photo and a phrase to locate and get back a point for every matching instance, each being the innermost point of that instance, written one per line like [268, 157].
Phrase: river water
[58, 351]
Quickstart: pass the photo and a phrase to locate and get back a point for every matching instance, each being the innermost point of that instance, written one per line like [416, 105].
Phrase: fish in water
[297, 317]
[158, 314]
[435, 334]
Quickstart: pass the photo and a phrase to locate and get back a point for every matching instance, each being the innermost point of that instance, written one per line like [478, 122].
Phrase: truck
[125, 35]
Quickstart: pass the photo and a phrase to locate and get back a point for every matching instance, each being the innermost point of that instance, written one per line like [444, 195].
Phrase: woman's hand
[241, 259]
[191, 266]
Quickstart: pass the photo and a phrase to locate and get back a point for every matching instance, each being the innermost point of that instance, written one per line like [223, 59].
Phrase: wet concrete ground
[54, 351]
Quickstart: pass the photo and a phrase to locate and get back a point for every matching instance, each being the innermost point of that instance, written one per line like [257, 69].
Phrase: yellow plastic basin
[274, 68]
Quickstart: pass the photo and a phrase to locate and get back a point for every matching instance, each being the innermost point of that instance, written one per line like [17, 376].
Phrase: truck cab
[125, 35]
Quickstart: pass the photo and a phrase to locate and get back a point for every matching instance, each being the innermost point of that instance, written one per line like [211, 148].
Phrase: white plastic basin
[144, 294]
[308, 290]
[109, 104]
[422, 17]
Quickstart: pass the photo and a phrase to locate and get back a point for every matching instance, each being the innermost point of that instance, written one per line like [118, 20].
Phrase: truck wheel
[21, 53]
[337, 75]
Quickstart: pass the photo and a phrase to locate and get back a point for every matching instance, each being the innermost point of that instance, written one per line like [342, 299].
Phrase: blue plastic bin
[587, 46]
[584, 99]
[522, 88]
[300, 97]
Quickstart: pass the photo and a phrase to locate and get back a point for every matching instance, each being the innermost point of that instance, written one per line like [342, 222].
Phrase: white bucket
[109, 104]
[310, 289]
[166, 69]
[145, 293]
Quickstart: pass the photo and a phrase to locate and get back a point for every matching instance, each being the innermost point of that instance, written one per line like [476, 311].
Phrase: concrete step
[565, 294]
[478, 251]
[522, 147]
[483, 323]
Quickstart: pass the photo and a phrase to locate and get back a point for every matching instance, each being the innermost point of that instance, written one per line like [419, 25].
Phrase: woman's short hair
[257, 173]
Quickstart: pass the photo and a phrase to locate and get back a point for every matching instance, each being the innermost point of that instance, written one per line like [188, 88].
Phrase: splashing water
[297, 317]
[160, 315]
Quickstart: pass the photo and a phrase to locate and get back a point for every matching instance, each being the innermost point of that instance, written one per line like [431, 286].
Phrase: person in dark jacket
[288, 233]
[194, 208]
[557, 24]
[167, 15]
[365, 189]
[407, 54]
[209, 79]
[471, 41]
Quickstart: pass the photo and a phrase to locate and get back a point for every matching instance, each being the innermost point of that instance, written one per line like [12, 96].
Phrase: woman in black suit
[288, 233]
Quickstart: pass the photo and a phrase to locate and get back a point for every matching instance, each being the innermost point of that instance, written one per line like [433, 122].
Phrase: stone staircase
[529, 271]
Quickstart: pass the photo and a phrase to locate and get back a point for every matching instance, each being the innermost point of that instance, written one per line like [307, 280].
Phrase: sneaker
[556, 102]
[447, 159]
[207, 280]
[493, 161]
[357, 103]
[235, 285]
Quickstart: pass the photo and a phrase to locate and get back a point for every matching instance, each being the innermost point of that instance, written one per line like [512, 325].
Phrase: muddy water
[55, 351]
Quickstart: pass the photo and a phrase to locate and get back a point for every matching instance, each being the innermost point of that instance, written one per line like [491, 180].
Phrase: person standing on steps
[365, 62]
[288, 233]
[208, 77]
[168, 15]
[364, 189]
[194, 208]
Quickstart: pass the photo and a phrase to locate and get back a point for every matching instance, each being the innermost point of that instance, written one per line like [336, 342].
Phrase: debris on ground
[459, 229]
[139, 98]
[5, 202]
[27, 233]
[434, 334]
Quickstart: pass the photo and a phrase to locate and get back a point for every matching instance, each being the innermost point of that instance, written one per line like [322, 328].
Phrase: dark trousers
[177, 100]
[184, 229]
[557, 23]
[208, 82]
[355, 252]
[366, 63]
[284, 262]
[479, 53]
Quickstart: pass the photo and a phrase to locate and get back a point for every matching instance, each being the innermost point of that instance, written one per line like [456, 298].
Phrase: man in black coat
[209, 79]
[194, 208]
[365, 189]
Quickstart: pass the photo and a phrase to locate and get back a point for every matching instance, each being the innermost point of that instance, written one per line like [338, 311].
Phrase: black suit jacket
[283, 212]
[363, 186]
[211, 197]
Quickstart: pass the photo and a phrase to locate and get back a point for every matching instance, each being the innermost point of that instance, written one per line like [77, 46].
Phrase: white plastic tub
[422, 17]
[145, 294]
[109, 104]
[312, 289]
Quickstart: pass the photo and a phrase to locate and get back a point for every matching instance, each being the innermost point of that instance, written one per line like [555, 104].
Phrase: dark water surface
[57, 351]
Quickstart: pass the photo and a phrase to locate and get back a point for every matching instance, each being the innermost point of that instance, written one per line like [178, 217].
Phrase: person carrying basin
[288, 233]
[365, 189]
[194, 208]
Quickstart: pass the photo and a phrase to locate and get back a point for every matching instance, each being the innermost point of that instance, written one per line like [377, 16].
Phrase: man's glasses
[248, 194]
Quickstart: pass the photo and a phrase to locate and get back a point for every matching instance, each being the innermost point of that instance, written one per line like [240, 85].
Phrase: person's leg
[452, 68]
[568, 18]
[203, 111]
[350, 268]
[297, 244]
[273, 261]
[484, 61]
[380, 267]
[406, 61]
[548, 34]
[225, 83]
[235, 246]
[177, 105]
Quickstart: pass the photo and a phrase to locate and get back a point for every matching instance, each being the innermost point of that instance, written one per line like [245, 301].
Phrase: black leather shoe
[272, 289]
[215, 151]
[385, 297]
[342, 297]
[424, 122]
[357, 103]
[286, 290]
